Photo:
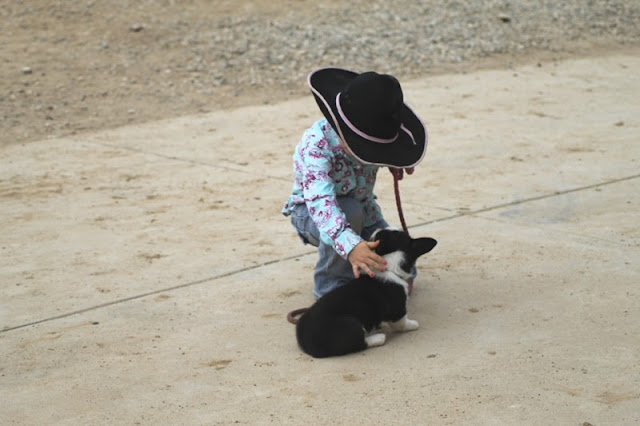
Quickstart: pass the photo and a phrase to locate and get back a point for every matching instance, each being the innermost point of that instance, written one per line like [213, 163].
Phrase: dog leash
[292, 316]
[398, 174]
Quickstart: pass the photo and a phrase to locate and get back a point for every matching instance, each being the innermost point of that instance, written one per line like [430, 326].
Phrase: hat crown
[373, 103]
[369, 115]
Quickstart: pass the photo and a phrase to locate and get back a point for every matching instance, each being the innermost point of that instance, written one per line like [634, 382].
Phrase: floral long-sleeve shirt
[323, 171]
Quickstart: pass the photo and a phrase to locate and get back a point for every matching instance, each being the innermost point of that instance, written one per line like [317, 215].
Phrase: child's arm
[314, 162]
[322, 203]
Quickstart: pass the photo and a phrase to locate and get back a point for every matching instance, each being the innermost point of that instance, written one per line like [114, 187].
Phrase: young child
[366, 126]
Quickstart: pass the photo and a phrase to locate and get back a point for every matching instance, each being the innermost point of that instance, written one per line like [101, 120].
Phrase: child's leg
[302, 222]
[331, 270]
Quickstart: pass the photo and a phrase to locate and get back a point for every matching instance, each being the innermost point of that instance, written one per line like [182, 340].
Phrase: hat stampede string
[398, 174]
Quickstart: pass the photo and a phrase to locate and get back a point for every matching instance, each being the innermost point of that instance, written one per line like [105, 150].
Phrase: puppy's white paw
[377, 339]
[410, 325]
[405, 324]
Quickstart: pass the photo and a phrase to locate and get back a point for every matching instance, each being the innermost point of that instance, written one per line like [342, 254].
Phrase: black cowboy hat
[368, 113]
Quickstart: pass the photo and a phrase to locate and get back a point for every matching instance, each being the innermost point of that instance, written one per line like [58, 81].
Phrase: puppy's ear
[423, 245]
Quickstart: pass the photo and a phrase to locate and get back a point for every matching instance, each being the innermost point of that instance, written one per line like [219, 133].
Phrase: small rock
[136, 28]
[27, 70]
[504, 17]
[619, 124]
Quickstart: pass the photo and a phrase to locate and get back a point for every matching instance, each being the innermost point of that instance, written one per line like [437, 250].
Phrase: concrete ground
[146, 271]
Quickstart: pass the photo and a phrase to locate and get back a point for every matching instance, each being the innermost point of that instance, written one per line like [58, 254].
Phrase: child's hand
[363, 257]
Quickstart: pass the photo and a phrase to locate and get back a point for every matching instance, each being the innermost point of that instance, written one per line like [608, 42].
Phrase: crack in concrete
[297, 256]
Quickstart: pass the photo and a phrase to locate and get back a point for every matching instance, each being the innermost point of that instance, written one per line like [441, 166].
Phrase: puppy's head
[408, 250]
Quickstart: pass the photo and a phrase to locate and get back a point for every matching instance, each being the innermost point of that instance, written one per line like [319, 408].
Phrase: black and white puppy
[342, 321]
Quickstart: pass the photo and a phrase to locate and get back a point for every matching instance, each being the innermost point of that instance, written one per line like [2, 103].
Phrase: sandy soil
[72, 67]
[146, 271]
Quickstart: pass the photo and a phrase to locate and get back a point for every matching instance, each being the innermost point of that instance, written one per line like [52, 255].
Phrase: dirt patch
[73, 67]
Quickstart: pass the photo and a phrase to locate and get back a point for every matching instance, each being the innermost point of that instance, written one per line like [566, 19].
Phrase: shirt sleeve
[322, 203]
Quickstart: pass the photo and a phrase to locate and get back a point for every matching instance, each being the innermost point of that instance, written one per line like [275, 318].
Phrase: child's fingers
[364, 267]
[372, 263]
[373, 255]
[364, 259]
[378, 261]
[356, 271]
[375, 261]
[372, 245]
[368, 270]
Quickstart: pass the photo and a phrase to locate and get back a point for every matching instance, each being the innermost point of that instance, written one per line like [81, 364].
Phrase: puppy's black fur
[340, 321]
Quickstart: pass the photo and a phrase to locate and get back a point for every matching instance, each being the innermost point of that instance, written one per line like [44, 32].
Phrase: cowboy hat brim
[406, 151]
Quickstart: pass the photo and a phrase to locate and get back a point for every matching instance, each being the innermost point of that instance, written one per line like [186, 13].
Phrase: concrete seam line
[249, 268]
[151, 293]
[527, 200]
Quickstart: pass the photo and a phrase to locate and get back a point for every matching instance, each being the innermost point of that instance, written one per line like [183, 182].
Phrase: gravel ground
[69, 67]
